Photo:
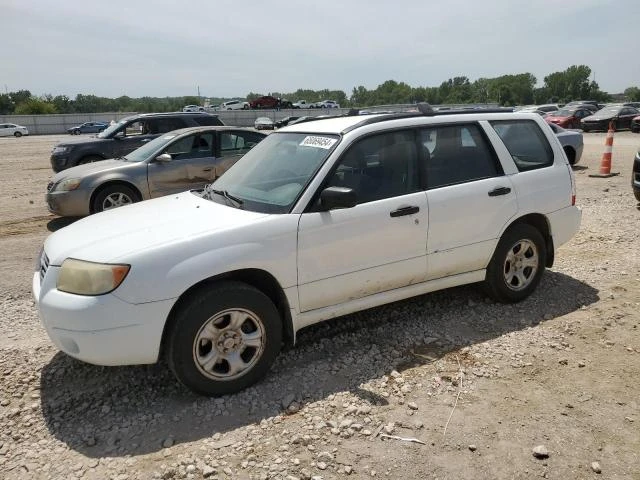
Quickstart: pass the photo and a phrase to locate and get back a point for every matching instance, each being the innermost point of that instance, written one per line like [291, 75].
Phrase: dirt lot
[480, 384]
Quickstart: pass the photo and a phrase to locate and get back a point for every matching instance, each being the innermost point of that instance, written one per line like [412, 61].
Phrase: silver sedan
[181, 160]
[571, 141]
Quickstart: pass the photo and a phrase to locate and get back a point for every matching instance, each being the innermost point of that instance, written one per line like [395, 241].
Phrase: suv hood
[79, 141]
[82, 171]
[114, 234]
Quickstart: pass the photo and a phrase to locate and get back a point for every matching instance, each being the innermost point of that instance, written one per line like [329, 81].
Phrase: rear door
[192, 165]
[470, 198]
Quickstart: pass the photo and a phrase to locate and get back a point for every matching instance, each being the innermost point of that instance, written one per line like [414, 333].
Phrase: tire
[571, 155]
[17, 134]
[113, 196]
[89, 159]
[203, 340]
[508, 282]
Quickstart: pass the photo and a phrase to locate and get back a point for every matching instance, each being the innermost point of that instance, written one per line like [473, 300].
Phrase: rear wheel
[517, 264]
[114, 196]
[224, 338]
[17, 134]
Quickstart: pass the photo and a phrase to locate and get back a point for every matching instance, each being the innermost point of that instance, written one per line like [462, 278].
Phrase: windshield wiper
[225, 194]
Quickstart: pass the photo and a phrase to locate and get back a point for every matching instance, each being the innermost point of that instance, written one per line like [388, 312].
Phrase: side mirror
[337, 197]
[164, 158]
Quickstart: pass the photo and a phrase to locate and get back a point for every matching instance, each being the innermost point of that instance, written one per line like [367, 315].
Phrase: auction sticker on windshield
[318, 142]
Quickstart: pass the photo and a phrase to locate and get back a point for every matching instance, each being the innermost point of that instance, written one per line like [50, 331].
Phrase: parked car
[635, 105]
[635, 176]
[568, 117]
[285, 121]
[620, 116]
[267, 101]
[571, 141]
[635, 124]
[318, 220]
[327, 104]
[193, 108]
[124, 137]
[302, 104]
[234, 105]
[539, 109]
[177, 161]
[88, 127]
[263, 123]
[11, 129]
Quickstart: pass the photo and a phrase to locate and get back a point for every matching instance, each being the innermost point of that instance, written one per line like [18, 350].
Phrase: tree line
[507, 90]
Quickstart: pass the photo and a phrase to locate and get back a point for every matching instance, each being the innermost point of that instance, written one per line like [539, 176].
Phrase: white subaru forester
[319, 220]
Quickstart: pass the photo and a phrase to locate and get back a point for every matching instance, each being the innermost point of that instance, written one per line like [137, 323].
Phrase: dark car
[124, 137]
[620, 116]
[174, 162]
[568, 117]
[592, 105]
[267, 101]
[285, 121]
[88, 127]
[635, 124]
[635, 176]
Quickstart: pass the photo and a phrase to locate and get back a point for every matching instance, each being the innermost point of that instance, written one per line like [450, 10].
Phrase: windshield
[608, 111]
[563, 113]
[108, 131]
[272, 175]
[145, 151]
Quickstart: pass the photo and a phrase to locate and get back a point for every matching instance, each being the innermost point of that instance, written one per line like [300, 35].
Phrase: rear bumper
[102, 330]
[565, 223]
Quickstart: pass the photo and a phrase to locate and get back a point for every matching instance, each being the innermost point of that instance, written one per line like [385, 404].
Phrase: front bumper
[74, 203]
[60, 162]
[602, 125]
[564, 223]
[102, 330]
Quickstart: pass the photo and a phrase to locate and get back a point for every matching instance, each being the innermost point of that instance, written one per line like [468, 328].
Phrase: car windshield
[144, 152]
[565, 112]
[108, 131]
[273, 174]
[609, 111]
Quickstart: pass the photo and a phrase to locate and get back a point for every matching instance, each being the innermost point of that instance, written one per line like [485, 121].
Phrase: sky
[230, 48]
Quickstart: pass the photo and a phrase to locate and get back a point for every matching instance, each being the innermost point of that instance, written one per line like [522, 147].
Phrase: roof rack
[423, 109]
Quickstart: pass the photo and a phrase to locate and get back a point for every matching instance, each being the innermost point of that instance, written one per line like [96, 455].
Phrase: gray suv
[124, 137]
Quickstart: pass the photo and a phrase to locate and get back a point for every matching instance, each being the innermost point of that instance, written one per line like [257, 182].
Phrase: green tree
[35, 106]
[632, 94]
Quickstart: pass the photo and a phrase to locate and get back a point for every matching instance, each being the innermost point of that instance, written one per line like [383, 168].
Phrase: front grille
[49, 186]
[44, 265]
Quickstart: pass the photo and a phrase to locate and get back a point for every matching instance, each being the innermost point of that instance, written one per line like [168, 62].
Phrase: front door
[192, 165]
[376, 246]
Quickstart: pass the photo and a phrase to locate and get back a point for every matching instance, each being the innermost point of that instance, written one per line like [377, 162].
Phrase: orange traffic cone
[605, 162]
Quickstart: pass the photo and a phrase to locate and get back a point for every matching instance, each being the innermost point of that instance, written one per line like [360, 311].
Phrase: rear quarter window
[526, 143]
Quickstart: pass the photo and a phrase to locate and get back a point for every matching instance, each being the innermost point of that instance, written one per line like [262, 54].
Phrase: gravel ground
[545, 388]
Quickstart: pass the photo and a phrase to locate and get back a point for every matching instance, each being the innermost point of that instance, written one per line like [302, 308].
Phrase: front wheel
[224, 338]
[114, 196]
[517, 264]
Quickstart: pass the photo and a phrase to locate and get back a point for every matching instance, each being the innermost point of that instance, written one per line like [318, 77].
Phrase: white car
[263, 123]
[193, 108]
[11, 129]
[327, 104]
[318, 220]
[234, 105]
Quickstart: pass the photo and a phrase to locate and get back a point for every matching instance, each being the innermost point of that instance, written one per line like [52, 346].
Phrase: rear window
[526, 143]
[208, 121]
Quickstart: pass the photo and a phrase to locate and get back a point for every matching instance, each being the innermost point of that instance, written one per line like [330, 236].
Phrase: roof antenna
[425, 109]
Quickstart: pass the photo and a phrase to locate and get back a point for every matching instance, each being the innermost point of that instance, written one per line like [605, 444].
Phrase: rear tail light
[573, 186]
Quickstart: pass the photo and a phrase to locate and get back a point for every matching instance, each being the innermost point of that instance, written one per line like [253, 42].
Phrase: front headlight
[89, 278]
[66, 185]
[60, 149]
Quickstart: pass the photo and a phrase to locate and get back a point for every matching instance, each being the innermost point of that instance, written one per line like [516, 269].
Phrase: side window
[168, 124]
[207, 121]
[203, 146]
[526, 143]
[380, 166]
[237, 143]
[182, 148]
[457, 154]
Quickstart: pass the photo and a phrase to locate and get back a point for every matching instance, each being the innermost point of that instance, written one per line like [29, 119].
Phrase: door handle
[499, 191]
[404, 211]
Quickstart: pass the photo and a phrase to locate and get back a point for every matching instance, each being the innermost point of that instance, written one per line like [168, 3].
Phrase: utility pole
[198, 87]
